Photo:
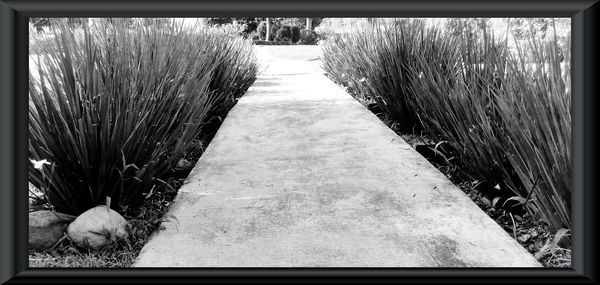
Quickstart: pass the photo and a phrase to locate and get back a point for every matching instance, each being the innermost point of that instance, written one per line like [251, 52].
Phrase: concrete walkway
[302, 175]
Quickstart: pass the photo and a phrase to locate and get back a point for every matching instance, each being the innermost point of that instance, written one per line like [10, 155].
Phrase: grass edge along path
[508, 119]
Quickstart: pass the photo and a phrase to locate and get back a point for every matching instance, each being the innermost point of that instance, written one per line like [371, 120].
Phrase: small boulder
[98, 227]
[183, 164]
[46, 228]
[486, 202]
[524, 238]
[182, 168]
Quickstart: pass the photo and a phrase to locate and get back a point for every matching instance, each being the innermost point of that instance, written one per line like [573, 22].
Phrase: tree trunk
[308, 24]
[268, 34]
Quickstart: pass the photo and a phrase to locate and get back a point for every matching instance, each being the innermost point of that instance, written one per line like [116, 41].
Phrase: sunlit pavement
[301, 175]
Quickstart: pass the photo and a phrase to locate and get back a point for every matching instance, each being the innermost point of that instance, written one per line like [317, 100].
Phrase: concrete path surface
[302, 175]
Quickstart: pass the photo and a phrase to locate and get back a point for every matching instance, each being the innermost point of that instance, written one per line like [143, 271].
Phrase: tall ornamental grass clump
[455, 89]
[347, 59]
[114, 105]
[506, 113]
[535, 107]
[374, 61]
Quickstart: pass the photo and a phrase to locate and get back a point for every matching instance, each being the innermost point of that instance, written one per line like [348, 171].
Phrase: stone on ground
[46, 228]
[98, 227]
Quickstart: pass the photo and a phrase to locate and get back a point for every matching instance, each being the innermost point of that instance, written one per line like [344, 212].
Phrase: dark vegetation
[550, 249]
[116, 106]
[282, 30]
[501, 115]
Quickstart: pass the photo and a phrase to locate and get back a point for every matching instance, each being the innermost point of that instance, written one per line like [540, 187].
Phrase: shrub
[255, 36]
[248, 25]
[283, 34]
[295, 34]
[455, 85]
[535, 106]
[114, 108]
[38, 41]
[294, 25]
[509, 114]
[506, 114]
[218, 21]
[234, 29]
[39, 24]
[374, 60]
[308, 37]
[290, 21]
[262, 29]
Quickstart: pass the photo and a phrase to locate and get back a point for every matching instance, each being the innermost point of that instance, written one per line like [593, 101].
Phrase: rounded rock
[98, 227]
[46, 228]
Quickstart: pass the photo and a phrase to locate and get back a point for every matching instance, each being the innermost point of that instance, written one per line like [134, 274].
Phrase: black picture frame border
[13, 132]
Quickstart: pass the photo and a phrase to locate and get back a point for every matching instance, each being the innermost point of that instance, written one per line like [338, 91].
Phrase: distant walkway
[301, 175]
